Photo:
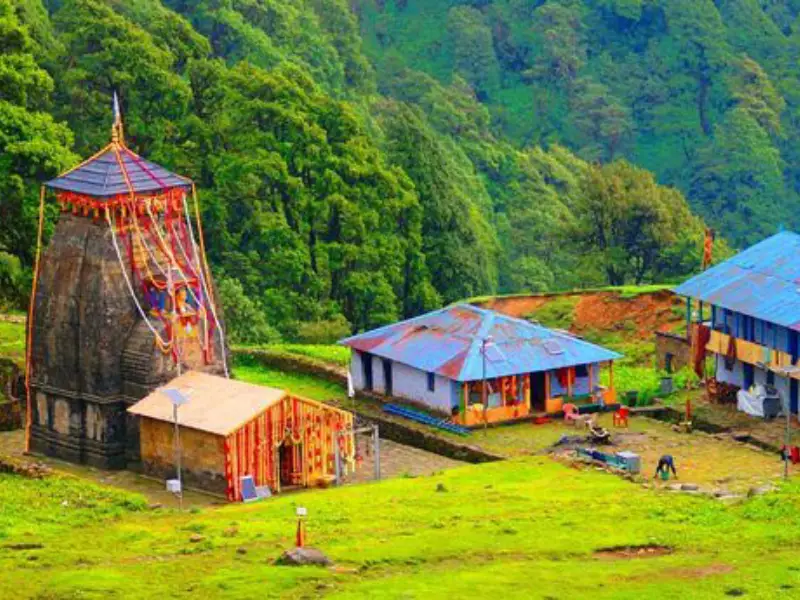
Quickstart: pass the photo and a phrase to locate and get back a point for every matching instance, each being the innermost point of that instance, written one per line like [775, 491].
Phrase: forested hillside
[705, 93]
[349, 182]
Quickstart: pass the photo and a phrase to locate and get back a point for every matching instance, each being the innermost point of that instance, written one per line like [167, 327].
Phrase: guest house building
[442, 359]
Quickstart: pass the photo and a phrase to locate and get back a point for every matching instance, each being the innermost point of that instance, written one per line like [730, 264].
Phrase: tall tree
[627, 221]
[33, 146]
[473, 52]
[457, 239]
[603, 121]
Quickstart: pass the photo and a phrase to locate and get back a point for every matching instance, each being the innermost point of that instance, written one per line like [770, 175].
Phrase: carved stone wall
[92, 354]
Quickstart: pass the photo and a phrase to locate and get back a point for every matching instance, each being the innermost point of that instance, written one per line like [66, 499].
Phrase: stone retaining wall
[10, 416]
[669, 414]
[677, 346]
[10, 387]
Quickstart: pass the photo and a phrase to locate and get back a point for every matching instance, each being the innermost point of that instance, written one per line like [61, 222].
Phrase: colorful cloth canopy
[104, 175]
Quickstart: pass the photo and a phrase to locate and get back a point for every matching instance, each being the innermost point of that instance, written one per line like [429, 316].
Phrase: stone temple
[123, 302]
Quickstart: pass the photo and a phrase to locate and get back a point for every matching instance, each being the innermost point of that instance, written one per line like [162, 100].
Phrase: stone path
[740, 424]
[397, 460]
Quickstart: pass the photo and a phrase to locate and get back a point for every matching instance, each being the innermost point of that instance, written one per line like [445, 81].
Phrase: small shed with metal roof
[228, 429]
[442, 359]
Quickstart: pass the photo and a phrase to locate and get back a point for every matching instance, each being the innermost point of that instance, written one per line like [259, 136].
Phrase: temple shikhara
[123, 302]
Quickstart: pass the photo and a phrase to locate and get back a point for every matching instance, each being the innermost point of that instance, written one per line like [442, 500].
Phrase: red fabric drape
[703, 337]
[730, 355]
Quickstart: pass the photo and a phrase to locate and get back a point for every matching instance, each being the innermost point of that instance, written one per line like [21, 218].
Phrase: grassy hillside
[522, 528]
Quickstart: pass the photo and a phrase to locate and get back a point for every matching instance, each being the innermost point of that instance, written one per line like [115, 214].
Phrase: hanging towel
[730, 355]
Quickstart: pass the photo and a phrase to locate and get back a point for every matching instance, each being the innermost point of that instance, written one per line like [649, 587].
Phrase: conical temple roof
[103, 175]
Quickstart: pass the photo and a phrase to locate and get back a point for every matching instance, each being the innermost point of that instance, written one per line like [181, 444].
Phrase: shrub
[327, 331]
[558, 312]
[14, 283]
[245, 319]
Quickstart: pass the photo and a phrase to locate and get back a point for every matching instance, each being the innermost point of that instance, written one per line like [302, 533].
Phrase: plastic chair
[620, 418]
[571, 414]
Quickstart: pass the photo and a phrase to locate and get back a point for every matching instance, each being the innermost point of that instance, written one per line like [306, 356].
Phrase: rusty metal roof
[102, 176]
[449, 341]
[762, 281]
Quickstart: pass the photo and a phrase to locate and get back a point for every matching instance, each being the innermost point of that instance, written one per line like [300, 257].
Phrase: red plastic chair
[620, 418]
[571, 414]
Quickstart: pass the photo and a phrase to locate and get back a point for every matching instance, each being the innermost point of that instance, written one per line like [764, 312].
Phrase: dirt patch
[518, 306]
[630, 552]
[640, 315]
[24, 546]
[700, 572]
[688, 572]
[647, 312]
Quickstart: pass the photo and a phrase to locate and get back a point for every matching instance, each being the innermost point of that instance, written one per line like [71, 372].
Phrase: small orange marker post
[300, 540]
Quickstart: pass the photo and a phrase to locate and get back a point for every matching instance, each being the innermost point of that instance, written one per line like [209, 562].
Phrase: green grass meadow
[327, 353]
[524, 528]
[12, 341]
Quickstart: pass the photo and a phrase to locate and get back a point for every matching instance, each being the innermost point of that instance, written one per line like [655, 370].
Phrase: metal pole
[787, 440]
[178, 455]
[484, 397]
[337, 461]
[688, 318]
[376, 440]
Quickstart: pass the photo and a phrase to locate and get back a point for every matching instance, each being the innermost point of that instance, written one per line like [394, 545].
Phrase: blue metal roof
[102, 176]
[448, 342]
[762, 281]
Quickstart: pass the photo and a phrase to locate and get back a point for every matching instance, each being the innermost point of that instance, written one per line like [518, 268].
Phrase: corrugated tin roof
[762, 281]
[102, 176]
[216, 405]
[448, 342]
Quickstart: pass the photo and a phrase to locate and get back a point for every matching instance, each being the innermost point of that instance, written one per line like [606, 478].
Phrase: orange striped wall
[308, 427]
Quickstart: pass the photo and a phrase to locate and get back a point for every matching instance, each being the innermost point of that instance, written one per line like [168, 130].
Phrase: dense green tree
[740, 178]
[109, 53]
[33, 146]
[559, 51]
[457, 239]
[245, 319]
[754, 93]
[604, 122]
[301, 183]
[652, 81]
[627, 221]
[473, 52]
[341, 193]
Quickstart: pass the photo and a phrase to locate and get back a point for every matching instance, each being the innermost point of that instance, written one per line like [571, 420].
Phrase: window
[431, 382]
[582, 371]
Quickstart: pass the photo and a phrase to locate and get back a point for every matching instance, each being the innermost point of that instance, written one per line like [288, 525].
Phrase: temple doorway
[290, 464]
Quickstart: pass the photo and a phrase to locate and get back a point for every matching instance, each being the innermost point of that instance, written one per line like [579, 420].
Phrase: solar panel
[494, 354]
[248, 489]
[553, 347]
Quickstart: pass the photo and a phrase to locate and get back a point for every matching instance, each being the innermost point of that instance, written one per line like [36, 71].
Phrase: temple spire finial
[116, 128]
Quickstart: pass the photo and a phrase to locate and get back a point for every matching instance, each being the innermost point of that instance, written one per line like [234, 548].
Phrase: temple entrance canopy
[122, 301]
